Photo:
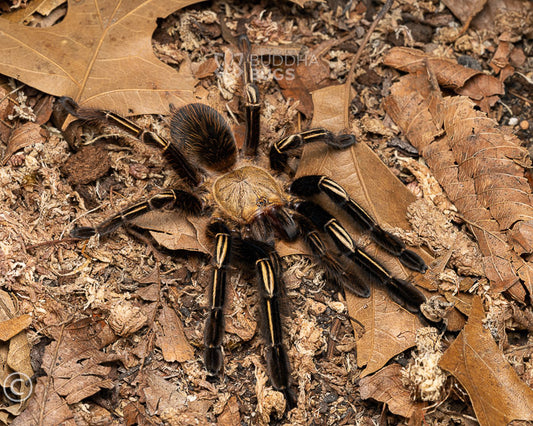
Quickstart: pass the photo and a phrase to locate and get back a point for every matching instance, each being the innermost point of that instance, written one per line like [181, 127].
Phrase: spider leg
[268, 270]
[185, 201]
[214, 326]
[171, 150]
[403, 292]
[252, 100]
[314, 184]
[278, 151]
[336, 272]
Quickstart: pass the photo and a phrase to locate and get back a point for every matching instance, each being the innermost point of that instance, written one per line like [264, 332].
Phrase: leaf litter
[102, 279]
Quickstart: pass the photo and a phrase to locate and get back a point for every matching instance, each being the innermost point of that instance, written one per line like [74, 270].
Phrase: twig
[378, 18]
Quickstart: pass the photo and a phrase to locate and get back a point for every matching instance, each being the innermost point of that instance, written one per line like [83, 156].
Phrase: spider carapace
[250, 210]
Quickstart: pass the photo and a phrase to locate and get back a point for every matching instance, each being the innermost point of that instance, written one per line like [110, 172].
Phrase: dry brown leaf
[100, 55]
[500, 59]
[171, 338]
[45, 407]
[298, 83]
[386, 386]
[465, 11]
[25, 135]
[481, 169]
[230, 416]
[15, 366]
[293, 88]
[14, 326]
[389, 329]
[176, 232]
[497, 394]
[482, 88]
[74, 360]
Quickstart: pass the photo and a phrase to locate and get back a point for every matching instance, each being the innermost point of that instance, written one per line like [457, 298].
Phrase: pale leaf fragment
[14, 326]
[171, 337]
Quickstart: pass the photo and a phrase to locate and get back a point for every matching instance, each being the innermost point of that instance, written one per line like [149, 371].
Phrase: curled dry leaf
[497, 394]
[15, 354]
[482, 88]
[26, 135]
[480, 167]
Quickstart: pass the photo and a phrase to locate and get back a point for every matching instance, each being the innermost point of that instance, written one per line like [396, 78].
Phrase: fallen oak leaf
[75, 361]
[45, 403]
[100, 55]
[481, 168]
[498, 396]
[14, 326]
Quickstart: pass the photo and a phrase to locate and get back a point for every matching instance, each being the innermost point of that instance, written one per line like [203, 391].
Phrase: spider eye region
[262, 201]
[243, 193]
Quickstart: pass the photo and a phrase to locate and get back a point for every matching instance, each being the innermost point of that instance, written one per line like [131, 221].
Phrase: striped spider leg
[261, 256]
[314, 184]
[172, 151]
[403, 292]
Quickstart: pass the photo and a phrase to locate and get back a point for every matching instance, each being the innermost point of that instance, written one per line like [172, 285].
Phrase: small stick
[378, 18]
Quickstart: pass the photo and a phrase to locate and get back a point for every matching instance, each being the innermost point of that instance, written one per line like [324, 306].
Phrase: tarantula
[250, 210]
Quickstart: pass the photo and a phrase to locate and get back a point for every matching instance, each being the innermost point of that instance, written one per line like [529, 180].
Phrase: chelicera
[250, 210]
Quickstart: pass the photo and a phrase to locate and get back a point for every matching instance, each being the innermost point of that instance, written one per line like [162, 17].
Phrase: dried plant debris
[481, 168]
[425, 380]
[387, 386]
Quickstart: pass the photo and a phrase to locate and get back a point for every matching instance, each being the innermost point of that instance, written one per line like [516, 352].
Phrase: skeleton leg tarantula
[250, 211]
